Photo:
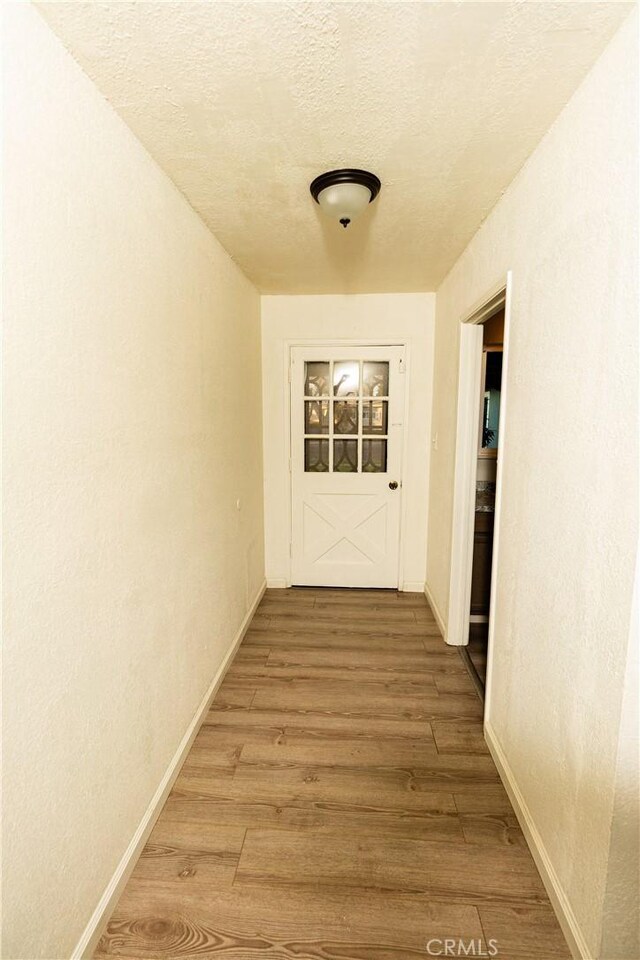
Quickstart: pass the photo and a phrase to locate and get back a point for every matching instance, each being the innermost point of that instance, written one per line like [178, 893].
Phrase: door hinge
[401, 365]
[289, 464]
[289, 373]
[290, 549]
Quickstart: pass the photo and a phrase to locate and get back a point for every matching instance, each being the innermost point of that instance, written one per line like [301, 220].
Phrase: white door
[347, 408]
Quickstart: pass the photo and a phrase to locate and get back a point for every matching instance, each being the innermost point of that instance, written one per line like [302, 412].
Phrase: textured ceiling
[242, 104]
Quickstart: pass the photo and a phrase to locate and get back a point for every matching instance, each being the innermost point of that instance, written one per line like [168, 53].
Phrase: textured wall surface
[243, 104]
[567, 228]
[621, 919]
[407, 317]
[132, 425]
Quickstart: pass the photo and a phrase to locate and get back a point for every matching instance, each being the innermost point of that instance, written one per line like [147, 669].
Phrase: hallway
[338, 802]
[260, 262]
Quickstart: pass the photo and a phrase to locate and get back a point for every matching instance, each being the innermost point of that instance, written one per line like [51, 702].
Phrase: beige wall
[403, 317]
[567, 229]
[132, 426]
[621, 919]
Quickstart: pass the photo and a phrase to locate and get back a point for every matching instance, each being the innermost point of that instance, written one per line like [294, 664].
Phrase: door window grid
[333, 392]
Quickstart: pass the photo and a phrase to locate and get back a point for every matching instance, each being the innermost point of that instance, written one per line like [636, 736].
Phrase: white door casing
[347, 411]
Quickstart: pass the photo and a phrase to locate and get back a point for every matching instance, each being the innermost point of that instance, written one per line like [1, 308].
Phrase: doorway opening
[485, 497]
[480, 444]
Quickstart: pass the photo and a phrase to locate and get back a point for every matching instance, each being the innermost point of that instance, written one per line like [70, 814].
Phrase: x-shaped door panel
[344, 527]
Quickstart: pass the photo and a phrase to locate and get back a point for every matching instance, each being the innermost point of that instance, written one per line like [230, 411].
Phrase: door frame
[289, 345]
[467, 436]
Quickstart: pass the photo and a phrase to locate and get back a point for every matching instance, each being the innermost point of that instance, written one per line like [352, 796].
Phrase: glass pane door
[346, 402]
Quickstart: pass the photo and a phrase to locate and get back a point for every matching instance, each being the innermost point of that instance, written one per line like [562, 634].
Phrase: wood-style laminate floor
[339, 803]
[477, 650]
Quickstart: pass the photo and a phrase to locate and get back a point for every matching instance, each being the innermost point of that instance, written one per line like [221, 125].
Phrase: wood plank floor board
[164, 920]
[330, 818]
[420, 782]
[324, 724]
[220, 738]
[251, 654]
[252, 672]
[492, 828]
[335, 627]
[188, 851]
[487, 799]
[419, 761]
[214, 752]
[338, 609]
[305, 635]
[389, 658]
[386, 657]
[453, 683]
[349, 788]
[525, 933]
[199, 766]
[301, 698]
[369, 613]
[232, 695]
[374, 755]
[338, 803]
[423, 615]
[280, 598]
[389, 599]
[346, 686]
[455, 736]
[459, 873]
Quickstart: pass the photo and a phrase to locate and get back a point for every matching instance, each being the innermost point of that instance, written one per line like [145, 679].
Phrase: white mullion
[360, 413]
[331, 402]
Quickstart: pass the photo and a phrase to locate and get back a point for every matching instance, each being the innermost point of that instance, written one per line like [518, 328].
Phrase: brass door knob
[393, 485]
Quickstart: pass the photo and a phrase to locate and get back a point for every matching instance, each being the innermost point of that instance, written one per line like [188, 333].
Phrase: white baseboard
[93, 931]
[557, 896]
[436, 612]
[278, 584]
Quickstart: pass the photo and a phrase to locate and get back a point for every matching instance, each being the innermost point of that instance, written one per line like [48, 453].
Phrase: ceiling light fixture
[343, 194]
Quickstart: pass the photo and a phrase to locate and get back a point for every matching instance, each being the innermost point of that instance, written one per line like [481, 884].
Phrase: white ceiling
[242, 104]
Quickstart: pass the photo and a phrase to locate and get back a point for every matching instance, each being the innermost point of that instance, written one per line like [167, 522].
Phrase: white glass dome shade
[344, 194]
